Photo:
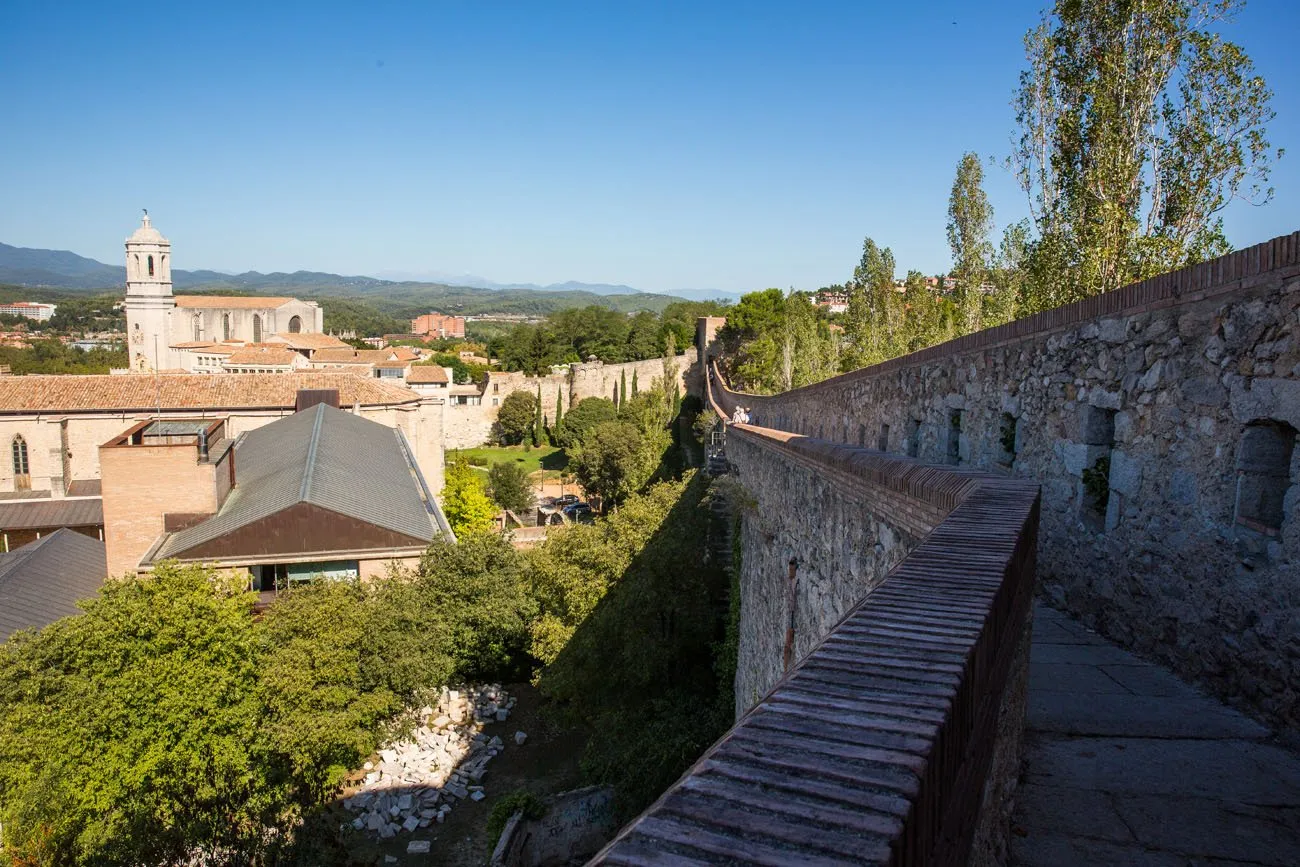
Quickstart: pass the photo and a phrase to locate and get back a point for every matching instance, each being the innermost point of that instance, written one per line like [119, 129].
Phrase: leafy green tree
[516, 416]
[582, 417]
[1139, 123]
[776, 342]
[559, 416]
[970, 220]
[608, 461]
[134, 734]
[875, 310]
[478, 587]
[509, 486]
[464, 501]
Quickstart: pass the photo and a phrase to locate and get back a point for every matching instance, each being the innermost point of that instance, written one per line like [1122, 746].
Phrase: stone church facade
[161, 326]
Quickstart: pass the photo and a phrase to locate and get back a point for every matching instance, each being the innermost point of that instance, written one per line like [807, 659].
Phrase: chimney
[309, 397]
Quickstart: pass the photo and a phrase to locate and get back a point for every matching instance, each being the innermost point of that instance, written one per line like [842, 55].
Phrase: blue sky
[662, 145]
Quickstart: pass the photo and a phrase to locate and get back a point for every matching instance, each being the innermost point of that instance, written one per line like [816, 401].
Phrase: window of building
[20, 456]
[257, 328]
[151, 266]
[225, 326]
[495, 401]
[295, 324]
[1264, 475]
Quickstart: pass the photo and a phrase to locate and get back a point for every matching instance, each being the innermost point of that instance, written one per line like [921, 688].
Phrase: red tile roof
[136, 391]
[249, 302]
[426, 374]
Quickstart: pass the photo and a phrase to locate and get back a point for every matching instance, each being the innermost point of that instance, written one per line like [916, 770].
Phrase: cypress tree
[622, 387]
[539, 423]
[559, 409]
[634, 383]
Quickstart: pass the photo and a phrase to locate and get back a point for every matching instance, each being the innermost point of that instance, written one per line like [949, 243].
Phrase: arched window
[20, 456]
[295, 324]
[257, 328]
[198, 327]
[225, 326]
[151, 266]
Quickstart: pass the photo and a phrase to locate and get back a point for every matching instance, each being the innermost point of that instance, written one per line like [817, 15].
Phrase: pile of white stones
[442, 761]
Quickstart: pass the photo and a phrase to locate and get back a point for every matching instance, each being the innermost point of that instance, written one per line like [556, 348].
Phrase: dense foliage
[631, 613]
[53, 356]
[465, 502]
[582, 417]
[510, 487]
[577, 335]
[516, 418]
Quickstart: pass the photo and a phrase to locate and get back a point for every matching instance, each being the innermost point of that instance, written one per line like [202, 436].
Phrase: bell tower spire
[149, 303]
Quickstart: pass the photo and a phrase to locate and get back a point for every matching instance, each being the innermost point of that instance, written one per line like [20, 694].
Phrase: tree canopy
[516, 417]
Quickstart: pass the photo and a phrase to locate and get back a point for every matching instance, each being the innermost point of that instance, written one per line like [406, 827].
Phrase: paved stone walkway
[1127, 765]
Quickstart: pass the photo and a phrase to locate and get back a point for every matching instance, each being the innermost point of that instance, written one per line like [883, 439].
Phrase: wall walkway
[1127, 765]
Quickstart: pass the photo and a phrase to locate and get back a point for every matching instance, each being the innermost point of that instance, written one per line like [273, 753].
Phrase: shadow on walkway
[1126, 765]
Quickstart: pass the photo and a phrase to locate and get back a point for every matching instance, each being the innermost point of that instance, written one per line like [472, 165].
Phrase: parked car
[580, 512]
[567, 500]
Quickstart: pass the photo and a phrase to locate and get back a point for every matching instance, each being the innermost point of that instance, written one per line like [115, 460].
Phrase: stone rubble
[419, 778]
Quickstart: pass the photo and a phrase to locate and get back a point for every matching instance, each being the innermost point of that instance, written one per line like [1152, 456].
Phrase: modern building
[438, 325]
[157, 320]
[43, 580]
[51, 427]
[319, 493]
[28, 309]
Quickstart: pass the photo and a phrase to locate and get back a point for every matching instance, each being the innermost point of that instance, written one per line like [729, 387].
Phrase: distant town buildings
[439, 326]
[832, 301]
[29, 309]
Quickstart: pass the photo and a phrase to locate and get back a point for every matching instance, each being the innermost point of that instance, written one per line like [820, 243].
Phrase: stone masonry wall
[467, 426]
[1161, 422]
[844, 541]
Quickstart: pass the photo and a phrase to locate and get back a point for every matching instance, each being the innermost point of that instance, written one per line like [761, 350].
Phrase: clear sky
[663, 145]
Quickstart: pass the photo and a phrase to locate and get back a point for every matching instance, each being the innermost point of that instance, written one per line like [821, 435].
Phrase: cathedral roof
[242, 302]
[147, 234]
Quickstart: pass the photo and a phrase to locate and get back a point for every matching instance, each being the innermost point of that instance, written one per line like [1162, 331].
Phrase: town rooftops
[321, 480]
[426, 374]
[247, 302]
[42, 581]
[28, 395]
[40, 513]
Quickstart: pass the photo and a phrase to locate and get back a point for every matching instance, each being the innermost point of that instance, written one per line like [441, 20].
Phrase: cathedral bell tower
[149, 302]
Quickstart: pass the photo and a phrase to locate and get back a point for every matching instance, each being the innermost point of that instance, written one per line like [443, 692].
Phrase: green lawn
[540, 458]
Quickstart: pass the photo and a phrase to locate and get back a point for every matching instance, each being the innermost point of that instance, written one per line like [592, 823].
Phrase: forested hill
[64, 270]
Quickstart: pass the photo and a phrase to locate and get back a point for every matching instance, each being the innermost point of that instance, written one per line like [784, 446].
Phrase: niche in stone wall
[1264, 475]
[954, 436]
[914, 438]
[1007, 439]
[862, 436]
[1097, 432]
[882, 444]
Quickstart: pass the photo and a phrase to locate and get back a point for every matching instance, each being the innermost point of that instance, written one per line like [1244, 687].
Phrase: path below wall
[1127, 765]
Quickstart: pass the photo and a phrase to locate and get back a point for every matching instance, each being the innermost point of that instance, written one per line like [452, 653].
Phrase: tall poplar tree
[1138, 124]
[970, 221]
[873, 322]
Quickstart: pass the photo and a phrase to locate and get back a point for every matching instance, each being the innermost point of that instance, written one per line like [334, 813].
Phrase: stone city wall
[470, 425]
[892, 734]
[1160, 420]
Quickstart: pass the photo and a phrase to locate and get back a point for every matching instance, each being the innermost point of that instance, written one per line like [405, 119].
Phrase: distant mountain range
[62, 269]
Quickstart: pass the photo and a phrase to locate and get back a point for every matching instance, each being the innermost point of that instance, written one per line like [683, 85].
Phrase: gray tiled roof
[37, 514]
[324, 456]
[42, 581]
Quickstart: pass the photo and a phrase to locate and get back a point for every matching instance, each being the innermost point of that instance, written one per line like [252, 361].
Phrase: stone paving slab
[1127, 765]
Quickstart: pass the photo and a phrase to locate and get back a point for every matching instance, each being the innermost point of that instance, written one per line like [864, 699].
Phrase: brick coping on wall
[1221, 276]
[875, 747]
